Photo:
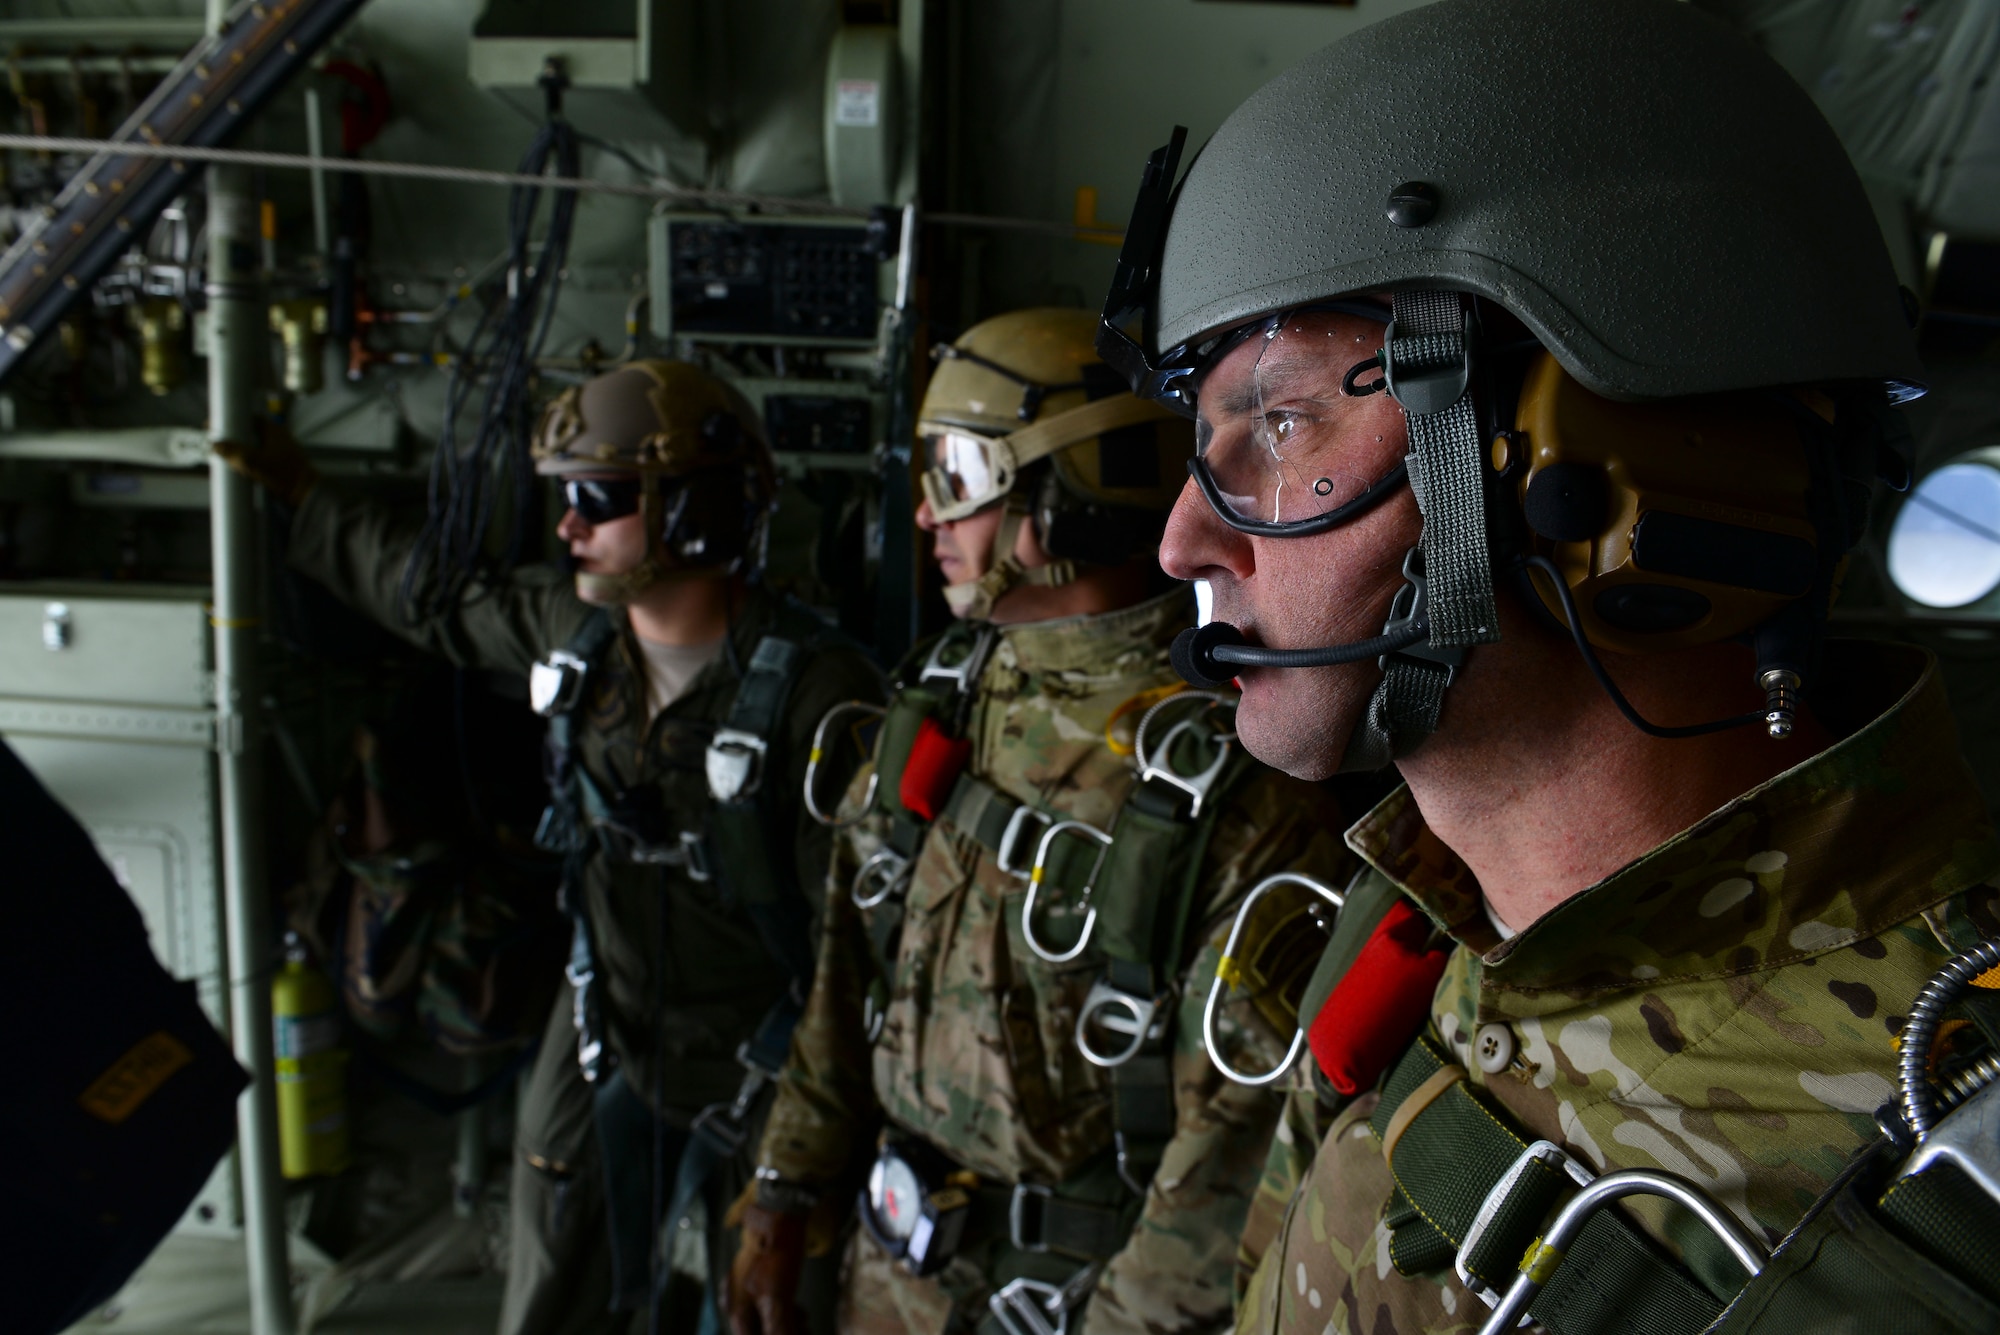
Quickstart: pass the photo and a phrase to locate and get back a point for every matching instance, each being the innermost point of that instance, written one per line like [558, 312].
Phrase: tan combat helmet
[697, 448]
[1023, 412]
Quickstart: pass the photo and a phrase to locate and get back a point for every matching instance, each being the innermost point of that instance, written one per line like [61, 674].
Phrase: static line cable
[424, 171]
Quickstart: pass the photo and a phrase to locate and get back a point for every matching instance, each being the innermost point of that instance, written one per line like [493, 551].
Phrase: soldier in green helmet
[1544, 358]
[1002, 1056]
[682, 697]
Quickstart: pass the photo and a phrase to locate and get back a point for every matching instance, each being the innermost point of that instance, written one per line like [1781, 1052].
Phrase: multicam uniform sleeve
[1178, 1271]
[824, 1111]
[359, 549]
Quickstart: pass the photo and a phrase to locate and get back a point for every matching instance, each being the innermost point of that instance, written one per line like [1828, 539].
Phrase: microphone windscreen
[1193, 659]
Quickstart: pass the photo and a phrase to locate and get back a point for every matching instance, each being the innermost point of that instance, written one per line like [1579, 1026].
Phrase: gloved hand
[277, 462]
[763, 1285]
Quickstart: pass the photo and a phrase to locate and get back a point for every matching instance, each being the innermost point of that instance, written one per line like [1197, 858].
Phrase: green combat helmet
[1022, 412]
[695, 448]
[1581, 265]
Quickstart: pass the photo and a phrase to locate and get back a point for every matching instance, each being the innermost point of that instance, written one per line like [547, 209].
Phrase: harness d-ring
[886, 869]
[1139, 1022]
[1157, 763]
[1226, 966]
[1548, 1250]
[818, 753]
[1035, 878]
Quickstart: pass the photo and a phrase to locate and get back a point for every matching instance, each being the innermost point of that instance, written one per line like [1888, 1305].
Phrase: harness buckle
[1055, 831]
[1225, 972]
[883, 875]
[555, 683]
[1029, 1307]
[687, 852]
[735, 764]
[1968, 1137]
[1019, 1215]
[1548, 1155]
[1010, 839]
[1158, 762]
[963, 673]
[1412, 607]
[1116, 1011]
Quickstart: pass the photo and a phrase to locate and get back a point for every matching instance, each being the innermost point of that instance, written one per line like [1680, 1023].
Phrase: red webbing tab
[935, 761]
[1379, 1003]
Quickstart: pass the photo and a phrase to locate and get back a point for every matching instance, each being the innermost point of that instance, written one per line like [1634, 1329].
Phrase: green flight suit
[1723, 1008]
[684, 975]
[977, 1054]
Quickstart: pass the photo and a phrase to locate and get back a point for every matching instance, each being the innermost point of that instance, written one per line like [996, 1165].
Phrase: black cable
[499, 359]
[1591, 661]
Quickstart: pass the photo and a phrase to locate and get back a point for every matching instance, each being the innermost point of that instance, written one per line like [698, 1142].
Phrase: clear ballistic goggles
[1274, 427]
[970, 471]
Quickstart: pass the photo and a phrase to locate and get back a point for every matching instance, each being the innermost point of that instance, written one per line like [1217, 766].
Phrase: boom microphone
[1201, 655]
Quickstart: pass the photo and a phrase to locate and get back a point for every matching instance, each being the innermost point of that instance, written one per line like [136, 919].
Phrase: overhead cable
[426, 171]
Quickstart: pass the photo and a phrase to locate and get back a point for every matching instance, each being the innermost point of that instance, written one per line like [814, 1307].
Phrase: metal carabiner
[1225, 966]
[818, 753]
[885, 868]
[1547, 1251]
[1040, 870]
[1158, 763]
[1141, 1021]
[1026, 1306]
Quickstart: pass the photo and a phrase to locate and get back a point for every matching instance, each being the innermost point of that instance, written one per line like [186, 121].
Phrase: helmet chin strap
[975, 599]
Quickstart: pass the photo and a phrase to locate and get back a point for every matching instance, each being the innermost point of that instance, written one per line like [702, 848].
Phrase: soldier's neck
[685, 611]
[1544, 789]
[1095, 591]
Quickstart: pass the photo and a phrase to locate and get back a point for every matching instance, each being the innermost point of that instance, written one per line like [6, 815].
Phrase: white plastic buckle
[556, 682]
[735, 764]
[1116, 1011]
[1547, 1154]
[1011, 836]
[1049, 837]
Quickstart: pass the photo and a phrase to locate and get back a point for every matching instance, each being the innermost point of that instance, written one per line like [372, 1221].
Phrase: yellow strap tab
[1540, 1261]
[1035, 876]
[1422, 1097]
[816, 755]
[1989, 980]
[1229, 971]
[131, 1080]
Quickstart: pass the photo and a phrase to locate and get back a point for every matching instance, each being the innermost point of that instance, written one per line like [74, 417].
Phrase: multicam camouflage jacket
[977, 1053]
[1724, 1008]
[686, 975]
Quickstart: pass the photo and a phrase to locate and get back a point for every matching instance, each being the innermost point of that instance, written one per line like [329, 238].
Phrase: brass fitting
[301, 324]
[160, 322]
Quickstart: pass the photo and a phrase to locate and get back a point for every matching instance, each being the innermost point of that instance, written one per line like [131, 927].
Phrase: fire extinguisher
[312, 1068]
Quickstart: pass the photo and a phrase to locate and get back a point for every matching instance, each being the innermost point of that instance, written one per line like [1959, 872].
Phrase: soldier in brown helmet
[682, 697]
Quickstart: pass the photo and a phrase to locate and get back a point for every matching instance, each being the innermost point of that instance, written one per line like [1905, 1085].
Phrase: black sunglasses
[599, 500]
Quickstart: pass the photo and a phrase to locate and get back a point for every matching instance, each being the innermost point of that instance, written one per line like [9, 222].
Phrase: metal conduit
[238, 333]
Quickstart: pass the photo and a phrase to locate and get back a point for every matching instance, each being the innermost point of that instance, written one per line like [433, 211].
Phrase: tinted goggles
[599, 500]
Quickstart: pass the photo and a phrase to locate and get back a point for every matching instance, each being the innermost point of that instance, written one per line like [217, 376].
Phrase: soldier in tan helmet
[1003, 1049]
[681, 696]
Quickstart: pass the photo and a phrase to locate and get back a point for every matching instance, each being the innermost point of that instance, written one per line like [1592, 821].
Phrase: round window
[1944, 548]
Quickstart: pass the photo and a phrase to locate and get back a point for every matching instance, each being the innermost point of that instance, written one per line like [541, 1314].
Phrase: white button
[1493, 1047]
